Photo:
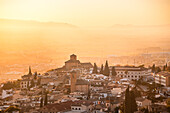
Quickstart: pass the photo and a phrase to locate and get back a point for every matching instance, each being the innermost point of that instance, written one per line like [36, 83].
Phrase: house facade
[162, 78]
[131, 73]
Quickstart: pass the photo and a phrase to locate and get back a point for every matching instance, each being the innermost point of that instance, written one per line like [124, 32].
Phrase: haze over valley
[46, 45]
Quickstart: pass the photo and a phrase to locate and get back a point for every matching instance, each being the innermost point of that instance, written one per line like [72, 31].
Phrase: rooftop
[81, 82]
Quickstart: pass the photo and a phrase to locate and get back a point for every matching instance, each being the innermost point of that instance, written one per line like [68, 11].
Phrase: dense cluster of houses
[73, 88]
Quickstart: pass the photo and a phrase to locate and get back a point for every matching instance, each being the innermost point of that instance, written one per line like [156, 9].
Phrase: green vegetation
[95, 69]
[136, 92]
[41, 104]
[101, 70]
[11, 85]
[113, 72]
[130, 105]
[46, 99]
[153, 68]
[106, 71]
[11, 109]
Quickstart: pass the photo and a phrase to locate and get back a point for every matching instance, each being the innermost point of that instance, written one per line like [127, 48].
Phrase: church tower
[73, 57]
[73, 81]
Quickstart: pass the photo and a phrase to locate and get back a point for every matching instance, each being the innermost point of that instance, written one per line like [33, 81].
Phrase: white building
[7, 93]
[162, 78]
[24, 83]
[131, 73]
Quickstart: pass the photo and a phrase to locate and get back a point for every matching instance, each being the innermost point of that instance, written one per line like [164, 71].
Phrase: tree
[11, 109]
[141, 65]
[35, 75]
[127, 104]
[153, 68]
[130, 105]
[106, 71]
[166, 65]
[164, 68]
[116, 110]
[39, 81]
[101, 70]
[41, 102]
[95, 69]
[88, 96]
[8, 86]
[133, 102]
[136, 92]
[113, 71]
[46, 99]
[157, 69]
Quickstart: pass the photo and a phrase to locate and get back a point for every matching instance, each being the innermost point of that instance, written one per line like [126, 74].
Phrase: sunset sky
[89, 12]
[43, 33]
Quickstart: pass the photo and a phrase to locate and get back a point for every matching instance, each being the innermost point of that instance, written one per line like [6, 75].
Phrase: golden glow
[89, 12]
[48, 45]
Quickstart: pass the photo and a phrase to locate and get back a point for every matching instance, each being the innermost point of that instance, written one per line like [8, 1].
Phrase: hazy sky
[89, 12]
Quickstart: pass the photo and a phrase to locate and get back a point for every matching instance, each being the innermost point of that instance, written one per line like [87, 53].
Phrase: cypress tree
[39, 81]
[157, 69]
[95, 69]
[35, 75]
[41, 102]
[133, 102]
[46, 99]
[153, 68]
[113, 71]
[127, 104]
[101, 70]
[106, 71]
[166, 65]
[136, 92]
[164, 68]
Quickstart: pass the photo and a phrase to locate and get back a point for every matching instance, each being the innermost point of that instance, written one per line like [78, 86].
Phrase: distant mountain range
[153, 49]
[30, 23]
[140, 26]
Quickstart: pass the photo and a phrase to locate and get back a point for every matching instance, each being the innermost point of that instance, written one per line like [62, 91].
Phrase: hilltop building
[73, 63]
[26, 80]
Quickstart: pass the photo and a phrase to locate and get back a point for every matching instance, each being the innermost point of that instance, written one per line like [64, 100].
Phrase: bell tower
[73, 57]
[73, 81]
